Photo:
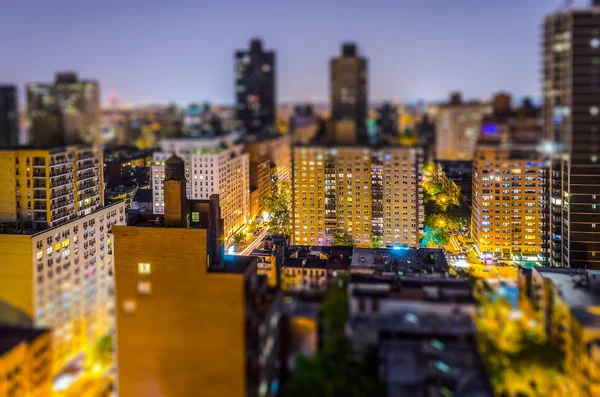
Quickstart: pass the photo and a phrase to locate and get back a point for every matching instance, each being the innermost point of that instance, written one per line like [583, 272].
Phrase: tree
[376, 241]
[239, 238]
[342, 239]
[277, 206]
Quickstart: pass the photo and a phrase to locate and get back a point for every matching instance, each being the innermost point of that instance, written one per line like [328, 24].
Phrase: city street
[254, 244]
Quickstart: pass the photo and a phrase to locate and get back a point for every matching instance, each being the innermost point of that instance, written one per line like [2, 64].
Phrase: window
[195, 217]
[144, 268]
[144, 287]
[129, 306]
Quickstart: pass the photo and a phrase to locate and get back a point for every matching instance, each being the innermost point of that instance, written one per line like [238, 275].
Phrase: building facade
[255, 88]
[212, 166]
[65, 112]
[62, 277]
[506, 210]
[571, 90]
[366, 192]
[49, 187]
[9, 117]
[25, 362]
[349, 96]
[457, 130]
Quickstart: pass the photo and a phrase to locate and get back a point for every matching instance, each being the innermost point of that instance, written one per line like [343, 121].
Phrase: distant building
[25, 362]
[255, 88]
[506, 210]
[49, 187]
[217, 165]
[270, 164]
[65, 112]
[457, 129]
[126, 166]
[212, 317]
[386, 124]
[9, 117]
[142, 201]
[365, 192]
[349, 97]
[304, 124]
[571, 51]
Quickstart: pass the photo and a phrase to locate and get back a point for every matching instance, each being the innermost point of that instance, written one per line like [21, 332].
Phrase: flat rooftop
[10, 336]
[573, 290]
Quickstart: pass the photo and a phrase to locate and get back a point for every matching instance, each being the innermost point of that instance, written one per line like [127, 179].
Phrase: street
[254, 244]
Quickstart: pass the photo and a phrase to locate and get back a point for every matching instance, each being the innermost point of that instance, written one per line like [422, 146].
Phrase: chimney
[349, 49]
[176, 204]
[214, 235]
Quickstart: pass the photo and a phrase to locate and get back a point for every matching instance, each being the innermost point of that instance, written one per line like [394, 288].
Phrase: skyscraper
[9, 118]
[64, 113]
[349, 96]
[255, 88]
[572, 126]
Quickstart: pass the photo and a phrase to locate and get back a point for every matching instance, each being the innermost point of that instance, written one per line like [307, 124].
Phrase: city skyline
[193, 60]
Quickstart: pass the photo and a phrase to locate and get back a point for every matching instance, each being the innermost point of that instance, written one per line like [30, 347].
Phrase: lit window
[144, 287]
[144, 268]
[595, 43]
[594, 110]
[129, 306]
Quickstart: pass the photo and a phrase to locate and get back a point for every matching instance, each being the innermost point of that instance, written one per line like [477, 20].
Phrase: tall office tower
[255, 88]
[9, 117]
[55, 244]
[50, 187]
[572, 126]
[188, 322]
[457, 129]
[212, 166]
[365, 192]
[349, 97]
[505, 211]
[386, 123]
[64, 113]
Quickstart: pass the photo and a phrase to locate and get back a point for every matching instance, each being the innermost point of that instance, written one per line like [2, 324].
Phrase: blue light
[388, 157]
[489, 129]
[395, 247]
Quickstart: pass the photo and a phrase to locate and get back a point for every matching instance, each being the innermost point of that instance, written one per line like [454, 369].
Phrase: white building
[62, 277]
[457, 130]
[212, 166]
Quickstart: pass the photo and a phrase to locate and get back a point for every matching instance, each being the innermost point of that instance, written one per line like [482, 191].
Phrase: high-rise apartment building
[349, 97]
[212, 166]
[366, 192]
[65, 112]
[191, 321]
[255, 88]
[49, 187]
[9, 117]
[62, 278]
[571, 91]
[506, 210]
[457, 129]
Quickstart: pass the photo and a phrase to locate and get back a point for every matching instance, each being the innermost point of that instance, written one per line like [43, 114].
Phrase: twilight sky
[182, 50]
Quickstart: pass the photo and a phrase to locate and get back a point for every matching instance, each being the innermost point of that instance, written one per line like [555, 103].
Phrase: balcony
[39, 173]
[88, 174]
[58, 171]
[39, 185]
[61, 181]
[81, 186]
[85, 164]
[61, 193]
[58, 161]
[39, 195]
[60, 203]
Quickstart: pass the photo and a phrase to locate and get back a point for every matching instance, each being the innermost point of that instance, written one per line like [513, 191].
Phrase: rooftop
[578, 288]
[10, 336]
[233, 264]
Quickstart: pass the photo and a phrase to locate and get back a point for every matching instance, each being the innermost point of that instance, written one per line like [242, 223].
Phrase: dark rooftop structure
[12, 336]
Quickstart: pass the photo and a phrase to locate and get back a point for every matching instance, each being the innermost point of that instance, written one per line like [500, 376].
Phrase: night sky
[183, 50]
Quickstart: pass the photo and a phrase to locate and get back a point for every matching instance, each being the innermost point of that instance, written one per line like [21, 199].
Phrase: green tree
[239, 238]
[376, 241]
[278, 205]
[342, 239]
